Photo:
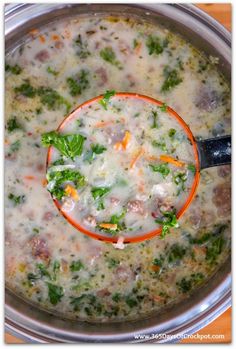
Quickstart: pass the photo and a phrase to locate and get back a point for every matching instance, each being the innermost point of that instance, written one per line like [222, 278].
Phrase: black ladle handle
[214, 151]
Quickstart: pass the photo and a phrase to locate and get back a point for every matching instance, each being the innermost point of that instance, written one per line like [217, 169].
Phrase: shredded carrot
[155, 268]
[44, 182]
[167, 158]
[108, 226]
[67, 34]
[158, 298]
[103, 124]
[33, 32]
[55, 37]
[30, 178]
[6, 141]
[136, 158]
[124, 143]
[151, 158]
[138, 48]
[71, 191]
[42, 38]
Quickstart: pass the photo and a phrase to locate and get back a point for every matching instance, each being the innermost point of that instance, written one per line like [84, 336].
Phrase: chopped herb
[86, 298]
[172, 132]
[15, 146]
[172, 79]
[185, 285]
[14, 69]
[78, 83]
[106, 98]
[115, 219]
[164, 107]
[32, 278]
[60, 177]
[135, 43]
[80, 123]
[36, 230]
[13, 124]
[82, 47]
[176, 253]
[112, 262]
[214, 249]
[154, 116]
[26, 89]
[101, 206]
[131, 301]
[163, 169]
[52, 99]
[43, 270]
[76, 266]
[96, 149]
[201, 240]
[49, 97]
[56, 269]
[192, 168]
[17, 200]
[109, 56]
[58, 162]
[99, 192]
[116, 297]
[158, 261]
[52, 71]
[55, 293]
[69, 145]
[155, 45]
[179, 179]
[169, 221]
[161, 145]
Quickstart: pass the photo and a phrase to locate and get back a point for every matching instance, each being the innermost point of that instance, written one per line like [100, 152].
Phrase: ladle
[207, 153]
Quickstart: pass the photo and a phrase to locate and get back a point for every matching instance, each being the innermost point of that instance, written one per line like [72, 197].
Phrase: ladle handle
[214, 151]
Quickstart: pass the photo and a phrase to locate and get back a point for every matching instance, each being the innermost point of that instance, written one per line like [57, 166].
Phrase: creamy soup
[48, 261]
[122, 165]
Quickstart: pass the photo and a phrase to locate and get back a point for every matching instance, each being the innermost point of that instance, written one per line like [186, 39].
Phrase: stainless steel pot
[188, 316]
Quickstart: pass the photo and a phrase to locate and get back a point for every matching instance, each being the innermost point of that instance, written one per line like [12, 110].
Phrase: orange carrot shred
[55, 37]
[44, 182]
[103, 124]
[30, 178]
[173, 161]
[124, 143]
[42, 38]
[108, 226]
[136, 158]
[71, 191]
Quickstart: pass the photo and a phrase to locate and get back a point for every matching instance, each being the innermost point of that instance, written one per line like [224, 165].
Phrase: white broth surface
[48, 262]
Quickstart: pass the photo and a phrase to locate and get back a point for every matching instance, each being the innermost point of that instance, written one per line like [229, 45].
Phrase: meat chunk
[42, 56]
[89, 220]
[103, 293]
[224, 171]
[124, 273]
[136, 206]
[59, 45]
[222, 199]
[114, 201]
[39, 248]
[102, 75]
[207, 99]
[48, 216]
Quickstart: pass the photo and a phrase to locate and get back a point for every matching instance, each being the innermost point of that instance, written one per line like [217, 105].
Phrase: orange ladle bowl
[195, 146]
